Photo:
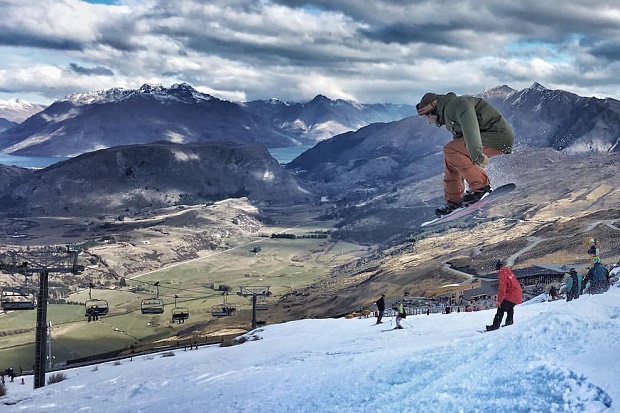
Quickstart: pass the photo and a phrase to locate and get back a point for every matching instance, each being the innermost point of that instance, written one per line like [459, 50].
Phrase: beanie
[427, 104]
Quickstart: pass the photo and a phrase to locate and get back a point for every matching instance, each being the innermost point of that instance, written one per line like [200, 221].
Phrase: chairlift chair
[180, 314]
[223, 310]
[99, 307]
[152, 306]
[17, 299]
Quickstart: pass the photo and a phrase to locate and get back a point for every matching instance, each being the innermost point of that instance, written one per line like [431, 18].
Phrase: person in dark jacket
[381, 308]
[509, 294]
[598, 276]
[479, 132]
[573, 285]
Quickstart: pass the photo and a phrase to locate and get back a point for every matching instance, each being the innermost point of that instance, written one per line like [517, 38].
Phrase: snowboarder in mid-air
[479, 132]
[509, 294]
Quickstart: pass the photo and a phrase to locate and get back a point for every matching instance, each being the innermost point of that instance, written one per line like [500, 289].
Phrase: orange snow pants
[458, 167]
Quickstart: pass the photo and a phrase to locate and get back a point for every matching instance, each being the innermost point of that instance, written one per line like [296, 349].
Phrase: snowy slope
[557, 357]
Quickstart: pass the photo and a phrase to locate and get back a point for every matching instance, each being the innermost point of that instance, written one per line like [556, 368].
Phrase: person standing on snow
[381, 308]
[400, 310]
[479, 132]
[573, 285]
[509, 294]
[598, 277]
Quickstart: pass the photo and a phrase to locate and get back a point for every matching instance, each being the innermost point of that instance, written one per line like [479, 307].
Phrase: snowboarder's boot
[447, 209]
[471, 197]
[497, 321]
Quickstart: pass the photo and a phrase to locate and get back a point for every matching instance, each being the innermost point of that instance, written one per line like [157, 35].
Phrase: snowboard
[488, 331]
[487, 200]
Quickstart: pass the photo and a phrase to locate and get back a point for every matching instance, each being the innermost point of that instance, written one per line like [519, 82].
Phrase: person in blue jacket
[598, 276]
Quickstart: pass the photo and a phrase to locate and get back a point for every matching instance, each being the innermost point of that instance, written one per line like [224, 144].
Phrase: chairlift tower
[43, 261]
[254, 292]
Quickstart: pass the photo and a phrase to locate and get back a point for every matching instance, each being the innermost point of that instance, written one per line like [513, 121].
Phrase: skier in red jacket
[509, 294]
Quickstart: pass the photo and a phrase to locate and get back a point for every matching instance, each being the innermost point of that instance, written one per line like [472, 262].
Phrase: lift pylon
[255, 292]
[43, 261]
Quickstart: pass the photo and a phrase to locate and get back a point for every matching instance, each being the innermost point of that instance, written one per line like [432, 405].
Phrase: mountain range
[90, 121]
[409, 150]
[377, 169]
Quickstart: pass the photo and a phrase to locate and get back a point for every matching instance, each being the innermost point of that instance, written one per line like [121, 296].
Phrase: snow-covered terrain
[557, 357]
[17, 110]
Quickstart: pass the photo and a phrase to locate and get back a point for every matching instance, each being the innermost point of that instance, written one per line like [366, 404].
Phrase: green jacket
[475, 120]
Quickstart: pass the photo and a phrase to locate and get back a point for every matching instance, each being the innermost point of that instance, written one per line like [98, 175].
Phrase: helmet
[597, 260]
[498, 264]
[572, 271]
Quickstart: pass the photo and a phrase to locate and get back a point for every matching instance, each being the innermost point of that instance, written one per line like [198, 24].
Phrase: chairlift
[179, 314]
[152, 306]
[17, 299]
[96, 307]
[224, 309]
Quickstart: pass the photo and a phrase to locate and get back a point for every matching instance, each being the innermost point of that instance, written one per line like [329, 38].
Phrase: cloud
[384, 50]
[98, 71]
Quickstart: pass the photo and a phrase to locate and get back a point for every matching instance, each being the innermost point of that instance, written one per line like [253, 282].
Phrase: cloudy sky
[365, 50]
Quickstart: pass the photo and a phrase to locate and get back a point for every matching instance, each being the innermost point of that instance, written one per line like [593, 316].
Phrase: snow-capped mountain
[322, 118]
[18, 110]
[15, 111]
[561, 120]
[541, 118]
[95, 120]
[176, 93]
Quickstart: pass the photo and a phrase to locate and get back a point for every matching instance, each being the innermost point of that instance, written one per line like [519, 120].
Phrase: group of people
[10, 373]
[597, 276]
[92, 313]
[398, 307]
[509, 294]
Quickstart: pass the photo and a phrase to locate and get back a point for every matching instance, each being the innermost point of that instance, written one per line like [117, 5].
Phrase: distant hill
[322, 118]
[6, 124]
[136, 178]
[96, 120]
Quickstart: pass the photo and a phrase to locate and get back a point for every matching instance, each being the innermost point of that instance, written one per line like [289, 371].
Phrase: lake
[286, 155]
[29, 161]
[282, 155]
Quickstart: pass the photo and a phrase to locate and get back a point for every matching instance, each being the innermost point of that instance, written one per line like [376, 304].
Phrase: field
[197, 284]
